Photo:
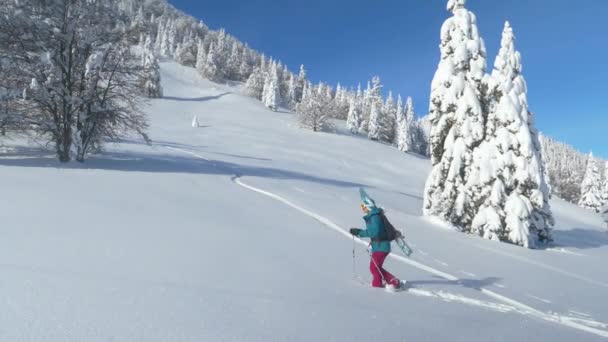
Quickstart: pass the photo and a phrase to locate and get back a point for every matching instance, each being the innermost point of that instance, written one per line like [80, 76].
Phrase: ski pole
[377, 267]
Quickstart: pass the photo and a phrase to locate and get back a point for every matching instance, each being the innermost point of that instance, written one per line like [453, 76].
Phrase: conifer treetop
[454, 5]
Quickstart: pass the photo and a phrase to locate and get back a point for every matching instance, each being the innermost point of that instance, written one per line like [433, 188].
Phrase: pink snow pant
[378, 272]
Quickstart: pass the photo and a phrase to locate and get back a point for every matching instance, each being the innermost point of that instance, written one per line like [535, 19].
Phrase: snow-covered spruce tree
[542, 144]
[211, 68]
[591, 196]
[270, 95]
[400, 117]
[255, 84]
[341, 103]
[234, 62]
[290, 101]
[389, 119]
[457, 118]
[508, 178]
[245, 68]
[566, 167]
[150, 81]
[605, 186]
[83, 80]
[187, 52]
[311, 111]
[405, 141]
[301, 82]
[374, 128]
[160, 33]
[167, 40]
[353, 122]
[421, 136]
[201, 57]
[366, 105]
[283, 83]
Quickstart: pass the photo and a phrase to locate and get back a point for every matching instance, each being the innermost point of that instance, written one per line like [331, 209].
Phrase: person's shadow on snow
[476, 284]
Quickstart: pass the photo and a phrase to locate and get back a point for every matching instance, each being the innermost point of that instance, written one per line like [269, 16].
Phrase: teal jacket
[374, 230]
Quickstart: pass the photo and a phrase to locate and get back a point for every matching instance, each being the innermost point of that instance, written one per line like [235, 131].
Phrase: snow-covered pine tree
[246, 67]
[421, 135]
[353, 122]
[283, 83]
[150, 81]
[201, 56]
[210, 68]
[605, 185]
[160, 32]
[456, 115]
[270, 95]
[167, 40]
[300, 83]
[400, 117]
[374, 128]
[508, 177]
[341, 103]
[566, 167]
[591, 196]
[405, 136]
[290, 101]
[312, 113]
[366, 104]
[234, 62]
[388, 119]
[186, 53]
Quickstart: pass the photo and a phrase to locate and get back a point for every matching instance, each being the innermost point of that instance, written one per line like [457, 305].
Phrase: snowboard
[405, 248]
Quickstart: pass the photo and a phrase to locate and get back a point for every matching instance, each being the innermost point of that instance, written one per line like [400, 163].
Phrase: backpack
[390, 232]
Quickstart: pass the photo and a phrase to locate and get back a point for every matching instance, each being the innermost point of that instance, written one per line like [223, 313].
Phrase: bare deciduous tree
[74, 60]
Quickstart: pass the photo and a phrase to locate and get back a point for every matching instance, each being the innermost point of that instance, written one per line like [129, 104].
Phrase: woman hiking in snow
[380, 245]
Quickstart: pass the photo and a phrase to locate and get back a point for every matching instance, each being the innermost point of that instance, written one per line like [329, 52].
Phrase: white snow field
[237, 231]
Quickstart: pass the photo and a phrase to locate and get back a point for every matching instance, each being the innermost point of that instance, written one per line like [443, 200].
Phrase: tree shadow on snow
[161, 163]
[196, 99]
[159, 143]
[580, 238]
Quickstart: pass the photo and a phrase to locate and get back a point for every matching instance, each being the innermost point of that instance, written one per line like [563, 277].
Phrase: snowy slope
[235, 231]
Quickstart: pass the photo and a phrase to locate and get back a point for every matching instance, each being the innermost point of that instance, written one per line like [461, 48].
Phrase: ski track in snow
[545, 266]
[578, 313]
[539, 299]
[564, 251]
[509, 304]
[441, 262]
[454, 298]
[300, 190]
[468, 274]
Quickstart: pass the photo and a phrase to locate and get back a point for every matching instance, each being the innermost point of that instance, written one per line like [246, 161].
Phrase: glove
[355, 231]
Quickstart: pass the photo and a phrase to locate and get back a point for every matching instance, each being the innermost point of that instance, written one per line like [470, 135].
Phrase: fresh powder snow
[238, 231]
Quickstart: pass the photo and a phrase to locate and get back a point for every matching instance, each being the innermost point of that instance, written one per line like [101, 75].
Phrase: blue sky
[563, 44]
